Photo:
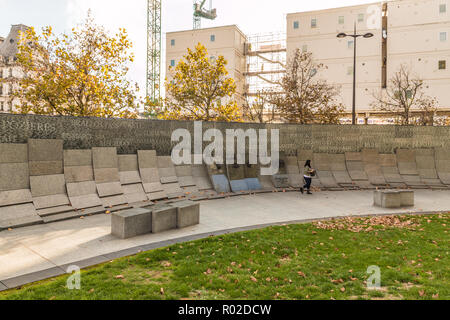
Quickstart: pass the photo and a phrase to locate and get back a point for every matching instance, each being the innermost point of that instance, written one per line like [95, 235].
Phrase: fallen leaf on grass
[120, 277]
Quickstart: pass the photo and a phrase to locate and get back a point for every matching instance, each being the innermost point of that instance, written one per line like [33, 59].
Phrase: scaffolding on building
[266, 63]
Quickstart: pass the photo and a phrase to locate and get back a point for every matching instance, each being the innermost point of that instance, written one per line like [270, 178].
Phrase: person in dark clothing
[308, 173]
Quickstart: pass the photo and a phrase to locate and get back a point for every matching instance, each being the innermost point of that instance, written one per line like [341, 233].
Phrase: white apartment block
[9, 71]
[227, 41]
[411, 32]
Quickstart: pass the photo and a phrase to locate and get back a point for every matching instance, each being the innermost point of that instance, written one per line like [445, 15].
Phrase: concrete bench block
[188, 213]
[387, 199]
[164, 218]
[394, 198]
[131, 223]
[407, 198]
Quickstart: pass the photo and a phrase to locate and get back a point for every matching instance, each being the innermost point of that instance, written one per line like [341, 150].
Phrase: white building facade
[415, 33]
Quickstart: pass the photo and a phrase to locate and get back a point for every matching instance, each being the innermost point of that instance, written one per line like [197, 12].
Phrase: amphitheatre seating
[169, 179]
[236, 176]
[186, 180]
[148, 169]
[203, 183]
[356, 170]
[372, 167]
[406, 161]
[47, 181]
[426, 167]
[322, 163]
[443, 165]
[107, 180]
[16, 202]
[293, 172]
[251, 177]
[388, 163]
[219, 178]
[131, 181]
[80, 183]
[281, 179]
[339, 170]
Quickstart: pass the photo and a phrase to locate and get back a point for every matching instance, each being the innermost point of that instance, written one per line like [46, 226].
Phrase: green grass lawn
[310, 261]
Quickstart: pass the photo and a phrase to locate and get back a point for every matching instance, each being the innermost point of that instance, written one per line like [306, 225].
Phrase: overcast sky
[252, 16]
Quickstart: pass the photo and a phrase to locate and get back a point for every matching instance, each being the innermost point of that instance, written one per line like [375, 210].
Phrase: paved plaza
[41, 251]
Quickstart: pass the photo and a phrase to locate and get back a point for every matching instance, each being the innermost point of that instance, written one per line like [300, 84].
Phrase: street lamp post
[354, 36]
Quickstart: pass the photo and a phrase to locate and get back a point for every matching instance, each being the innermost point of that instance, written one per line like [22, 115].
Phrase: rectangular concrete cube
[131, 223]
[164, 218]
[407, 198]
[387, 199]
[188, 213]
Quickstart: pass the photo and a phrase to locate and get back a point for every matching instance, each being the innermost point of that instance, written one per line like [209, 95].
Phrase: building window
[350, 70]
[350, 44]
[296, 25]
[213, 38]
[443, 36]
[314, 23]
[172, 63]
[442, 64]
[172, 42]
[443, 8]
[361, 17]
[341, 19]
[305, 48]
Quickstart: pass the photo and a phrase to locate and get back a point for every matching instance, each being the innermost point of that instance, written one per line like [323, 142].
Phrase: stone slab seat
[164, 218]
[393, 198]
[131, 223]
[188, 213]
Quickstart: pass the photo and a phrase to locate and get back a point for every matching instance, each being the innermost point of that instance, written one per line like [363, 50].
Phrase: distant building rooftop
[8, 47]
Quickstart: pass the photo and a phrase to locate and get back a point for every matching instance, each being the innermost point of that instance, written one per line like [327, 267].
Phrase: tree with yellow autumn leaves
[79, 74]
[200, 90]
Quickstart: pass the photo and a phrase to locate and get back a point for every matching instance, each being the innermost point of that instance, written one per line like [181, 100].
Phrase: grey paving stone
[50, 201]
[78, 174]
[109, 189]
[131, 223]
[41, 168]
[33, 277]
[8, 198]
[190, 190]
[45, 150]
[90, 262]
[129, 177]
[77, 158]
[20, 222]
[14, 176]
[164, 219]
[105, 175]
[173, 190]
[47, 185]
[147, 159]
[13, 153]
[128, 162]
[105, 158]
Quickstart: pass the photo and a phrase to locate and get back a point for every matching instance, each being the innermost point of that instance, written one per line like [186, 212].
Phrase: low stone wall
[132, 135]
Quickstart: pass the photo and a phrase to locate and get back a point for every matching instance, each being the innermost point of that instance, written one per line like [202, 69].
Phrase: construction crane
[154, 47]
[200, 12]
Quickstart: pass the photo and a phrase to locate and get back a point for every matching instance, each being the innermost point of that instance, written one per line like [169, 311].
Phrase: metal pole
[354, 80]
